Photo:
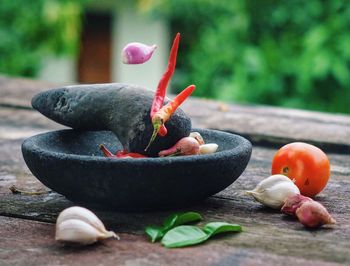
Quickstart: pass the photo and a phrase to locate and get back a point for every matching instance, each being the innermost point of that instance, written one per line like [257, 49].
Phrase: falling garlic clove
[208, 148]
[196, 135]
[274, 190]
[80, 225]
[74, 231]
[313, 214]
[137, 53]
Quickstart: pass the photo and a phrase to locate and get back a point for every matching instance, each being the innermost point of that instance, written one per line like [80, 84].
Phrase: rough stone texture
[123, 109]
[70, 163]
[269, 238]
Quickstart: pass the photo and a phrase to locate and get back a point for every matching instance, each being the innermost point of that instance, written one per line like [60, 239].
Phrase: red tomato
[306, 165]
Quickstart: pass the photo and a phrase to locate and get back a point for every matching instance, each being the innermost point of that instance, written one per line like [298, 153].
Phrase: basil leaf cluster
[175, 234]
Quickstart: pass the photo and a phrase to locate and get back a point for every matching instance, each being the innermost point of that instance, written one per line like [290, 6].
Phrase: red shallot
[137, 53]
[313, 214]
[185, 146]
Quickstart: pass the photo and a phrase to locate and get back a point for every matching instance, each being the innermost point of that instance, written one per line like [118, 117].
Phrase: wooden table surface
[269, 238]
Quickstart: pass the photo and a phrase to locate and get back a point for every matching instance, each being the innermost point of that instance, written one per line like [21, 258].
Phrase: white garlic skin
[274, 190]
[82, 214]
[76, 231]
[80, 226]
[208, 148]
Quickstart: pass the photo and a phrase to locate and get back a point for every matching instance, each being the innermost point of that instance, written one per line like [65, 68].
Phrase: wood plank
[18, 92]
[271, 126]
[32, 243]
[262, 125]
[265, 232]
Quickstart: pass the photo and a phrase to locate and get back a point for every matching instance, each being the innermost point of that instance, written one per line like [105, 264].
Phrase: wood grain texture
[271, 126]
[32, 243]
[269, 238]
[18, 92]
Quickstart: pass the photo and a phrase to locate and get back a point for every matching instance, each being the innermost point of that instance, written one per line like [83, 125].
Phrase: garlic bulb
[80, 226]
[274, 190]
[208, 148]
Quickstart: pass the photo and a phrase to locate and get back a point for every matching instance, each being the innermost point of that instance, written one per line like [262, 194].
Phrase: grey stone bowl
[70, 163]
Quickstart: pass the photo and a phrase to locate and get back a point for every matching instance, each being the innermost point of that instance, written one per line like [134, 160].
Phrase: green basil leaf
[187, 217]
[154, 232]
[220, 227]
[170, 221]
[180, 219]
[184, 235]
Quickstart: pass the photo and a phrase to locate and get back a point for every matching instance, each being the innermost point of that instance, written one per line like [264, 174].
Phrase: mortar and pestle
[118, 116]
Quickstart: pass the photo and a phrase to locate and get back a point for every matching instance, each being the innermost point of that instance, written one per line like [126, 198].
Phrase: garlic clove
[82, 214]
[274, 190]
[208, 148]
[313, 214]
[272, 180]
[198, 137]
[91, 227]
[75, 231]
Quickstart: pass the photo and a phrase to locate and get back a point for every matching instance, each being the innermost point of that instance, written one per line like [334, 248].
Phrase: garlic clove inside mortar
[274, 190]
[196, 135]
[208, 148]
[80, 226]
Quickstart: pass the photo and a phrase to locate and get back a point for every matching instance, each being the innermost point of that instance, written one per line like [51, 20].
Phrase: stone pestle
[121, 108]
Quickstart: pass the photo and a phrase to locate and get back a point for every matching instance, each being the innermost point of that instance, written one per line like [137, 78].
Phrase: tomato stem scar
[285, 170]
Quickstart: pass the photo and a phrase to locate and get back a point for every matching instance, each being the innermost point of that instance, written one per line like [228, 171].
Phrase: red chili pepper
[131, 155]
[106, 152]
[120, 154]
[164, 114]
[159, 97]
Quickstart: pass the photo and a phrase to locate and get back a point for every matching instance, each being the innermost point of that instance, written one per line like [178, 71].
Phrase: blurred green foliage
[31, 30]
[281, 52]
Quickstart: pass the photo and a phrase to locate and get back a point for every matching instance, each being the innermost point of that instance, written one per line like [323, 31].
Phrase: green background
[288, 53]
